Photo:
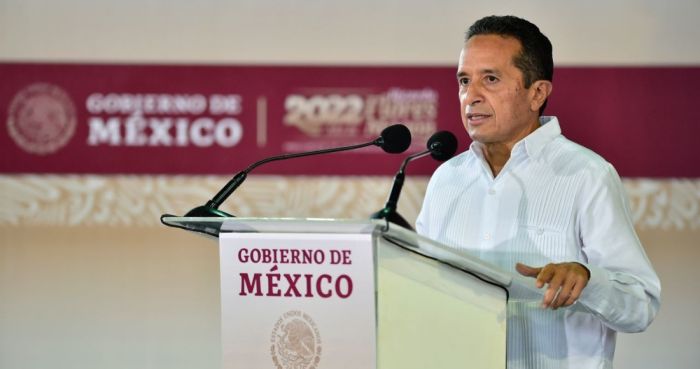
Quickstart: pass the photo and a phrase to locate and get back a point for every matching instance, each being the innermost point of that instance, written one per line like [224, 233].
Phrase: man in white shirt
[529, 200]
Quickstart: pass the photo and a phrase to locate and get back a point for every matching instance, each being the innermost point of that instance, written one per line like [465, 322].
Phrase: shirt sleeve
[423, 216]
[623, 290]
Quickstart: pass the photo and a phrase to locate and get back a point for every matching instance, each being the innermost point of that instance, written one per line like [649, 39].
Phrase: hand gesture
[565, 282]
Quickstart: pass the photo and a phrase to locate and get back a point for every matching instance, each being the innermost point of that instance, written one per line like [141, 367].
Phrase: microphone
[441, 146]
[393, 139]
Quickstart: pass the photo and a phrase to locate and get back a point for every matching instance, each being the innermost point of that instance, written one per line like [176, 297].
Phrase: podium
[325, 293]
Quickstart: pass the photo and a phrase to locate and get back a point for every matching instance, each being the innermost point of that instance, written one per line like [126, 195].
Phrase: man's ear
[540, 89]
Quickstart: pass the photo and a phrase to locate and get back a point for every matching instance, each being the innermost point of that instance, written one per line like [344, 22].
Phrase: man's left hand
[565, 282]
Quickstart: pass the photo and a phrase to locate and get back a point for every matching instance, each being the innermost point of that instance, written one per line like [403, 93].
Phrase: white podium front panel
[431, 315]
[292, 300]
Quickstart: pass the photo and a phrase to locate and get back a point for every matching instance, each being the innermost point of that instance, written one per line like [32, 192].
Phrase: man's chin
[477, 136]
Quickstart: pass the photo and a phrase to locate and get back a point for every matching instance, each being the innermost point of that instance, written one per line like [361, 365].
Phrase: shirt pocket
[546, 242]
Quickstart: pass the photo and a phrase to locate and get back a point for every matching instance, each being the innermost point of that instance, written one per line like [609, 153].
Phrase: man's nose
[473, 94]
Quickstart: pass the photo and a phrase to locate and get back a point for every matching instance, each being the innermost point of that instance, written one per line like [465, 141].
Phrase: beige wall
[316, 31]
[94, 244]
[107, 297]
[672, 340]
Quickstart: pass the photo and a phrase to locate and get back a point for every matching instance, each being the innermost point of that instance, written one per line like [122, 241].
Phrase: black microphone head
[394, 139]
[442, 145]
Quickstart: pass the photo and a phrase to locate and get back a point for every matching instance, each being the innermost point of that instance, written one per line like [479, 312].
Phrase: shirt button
[487, 236]
[540, 231]
[492, 191]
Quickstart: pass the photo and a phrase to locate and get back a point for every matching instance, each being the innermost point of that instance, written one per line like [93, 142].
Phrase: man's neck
[498, 153]
[497, 156]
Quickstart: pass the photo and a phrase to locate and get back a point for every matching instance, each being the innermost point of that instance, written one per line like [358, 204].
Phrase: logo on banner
[41, 118]
[296, 342]
[330, 116]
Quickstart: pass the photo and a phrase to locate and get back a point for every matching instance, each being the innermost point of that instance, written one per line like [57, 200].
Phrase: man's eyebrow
[483, 71]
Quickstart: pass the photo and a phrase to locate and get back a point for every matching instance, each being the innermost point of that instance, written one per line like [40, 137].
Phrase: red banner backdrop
[143, 119]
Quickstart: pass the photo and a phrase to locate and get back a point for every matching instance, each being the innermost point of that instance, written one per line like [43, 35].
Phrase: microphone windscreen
[442, 145]
[395, 139]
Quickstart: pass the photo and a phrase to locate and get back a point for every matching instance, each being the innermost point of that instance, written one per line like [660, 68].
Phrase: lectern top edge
[393, 233]
[214, 226]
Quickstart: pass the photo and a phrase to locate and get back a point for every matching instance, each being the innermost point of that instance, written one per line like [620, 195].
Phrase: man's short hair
[535, 58]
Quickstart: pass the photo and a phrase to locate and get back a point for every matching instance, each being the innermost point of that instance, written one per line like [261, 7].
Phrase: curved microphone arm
[393, 139]
[441, 146]
[211, 208]
[398, 181]
[411, 157]
[389, 211]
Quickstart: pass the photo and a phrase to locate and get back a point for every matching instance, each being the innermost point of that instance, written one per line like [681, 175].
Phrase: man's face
[496, 107]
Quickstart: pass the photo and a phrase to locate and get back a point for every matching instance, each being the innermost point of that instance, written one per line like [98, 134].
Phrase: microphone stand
[389, 212]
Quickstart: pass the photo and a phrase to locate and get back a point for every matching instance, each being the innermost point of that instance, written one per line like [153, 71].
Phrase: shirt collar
[537, 140]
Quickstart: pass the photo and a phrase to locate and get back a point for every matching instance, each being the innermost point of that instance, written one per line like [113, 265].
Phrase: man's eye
[463, 81]
[491, 79]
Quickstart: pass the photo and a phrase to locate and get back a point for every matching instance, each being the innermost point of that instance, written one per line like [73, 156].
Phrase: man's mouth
[477, 117]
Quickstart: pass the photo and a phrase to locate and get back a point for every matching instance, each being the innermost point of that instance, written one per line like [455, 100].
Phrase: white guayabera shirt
[553, 201]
